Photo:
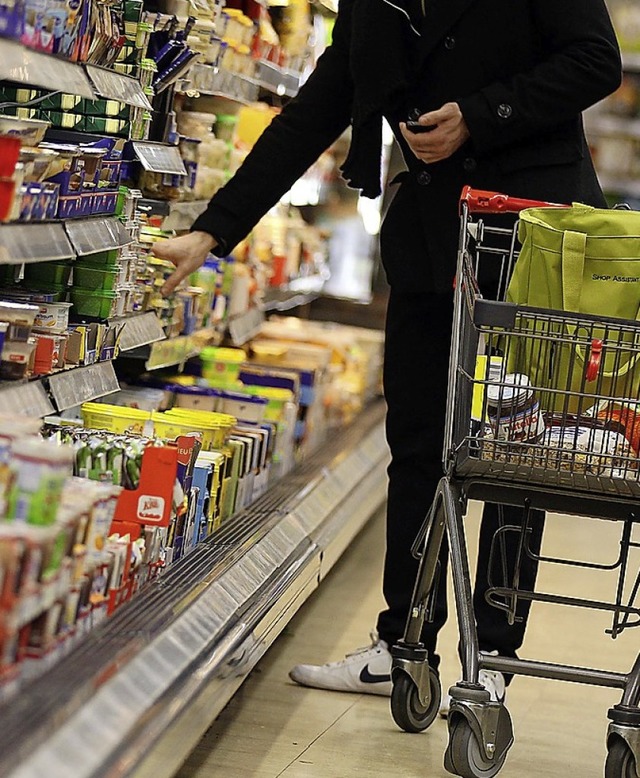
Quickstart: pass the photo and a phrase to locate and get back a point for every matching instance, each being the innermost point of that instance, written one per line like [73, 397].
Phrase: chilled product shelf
[22, 65]
[159, 157]
[138, 331]
[135, 696]
[25, 399]
[116, 86]
[24, 243]
[89, 236]
[299, 291]
[210, 80]
[27, 242]
[34, 68]
[82, 384]
[245, 326]
[276, 79]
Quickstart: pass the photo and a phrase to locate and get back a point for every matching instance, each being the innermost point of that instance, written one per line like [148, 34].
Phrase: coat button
[469, 164]
[424, 178]
[504, 110]
[414, 114]
[450, 42]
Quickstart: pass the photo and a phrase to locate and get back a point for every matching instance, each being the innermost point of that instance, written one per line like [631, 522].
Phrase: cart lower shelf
[137, 694]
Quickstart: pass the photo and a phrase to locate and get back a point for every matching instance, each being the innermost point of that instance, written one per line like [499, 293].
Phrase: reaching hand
[187, 252]
[449, 135]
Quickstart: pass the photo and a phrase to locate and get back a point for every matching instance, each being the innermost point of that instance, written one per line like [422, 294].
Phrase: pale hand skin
[187, 252]
[450, 134]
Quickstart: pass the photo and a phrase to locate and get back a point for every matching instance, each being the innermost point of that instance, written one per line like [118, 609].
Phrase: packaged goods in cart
[588, 447]
[626, 414]
[514, 412]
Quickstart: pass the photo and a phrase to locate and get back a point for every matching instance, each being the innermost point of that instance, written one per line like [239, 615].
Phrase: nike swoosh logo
[367, 677]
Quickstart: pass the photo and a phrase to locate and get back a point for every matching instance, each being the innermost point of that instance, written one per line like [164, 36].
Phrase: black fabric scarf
[384, 37]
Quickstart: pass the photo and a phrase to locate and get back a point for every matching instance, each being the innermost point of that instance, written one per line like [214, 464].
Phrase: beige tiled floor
[274, 728]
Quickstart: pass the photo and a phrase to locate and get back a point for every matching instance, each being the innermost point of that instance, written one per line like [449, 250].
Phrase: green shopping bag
[580, 260]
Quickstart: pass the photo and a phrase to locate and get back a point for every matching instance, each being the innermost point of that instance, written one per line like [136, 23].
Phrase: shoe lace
[375, 642]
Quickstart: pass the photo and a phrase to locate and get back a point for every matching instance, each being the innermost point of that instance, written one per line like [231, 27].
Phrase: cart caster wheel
[466, 756]
[621, 762]
[407, 710]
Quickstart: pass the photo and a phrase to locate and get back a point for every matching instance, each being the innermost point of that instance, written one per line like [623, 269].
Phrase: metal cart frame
[582, 475]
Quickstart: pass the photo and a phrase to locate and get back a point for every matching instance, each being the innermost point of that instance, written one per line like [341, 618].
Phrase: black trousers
[418, 333]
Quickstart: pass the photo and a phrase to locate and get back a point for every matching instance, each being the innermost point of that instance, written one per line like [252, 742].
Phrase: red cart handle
[595, 358]
[479, 201]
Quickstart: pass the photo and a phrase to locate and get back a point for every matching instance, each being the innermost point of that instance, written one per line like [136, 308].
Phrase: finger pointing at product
[449, 133]
[188, 253]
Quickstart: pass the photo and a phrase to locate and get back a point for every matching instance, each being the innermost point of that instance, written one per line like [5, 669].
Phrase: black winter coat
[522, 72]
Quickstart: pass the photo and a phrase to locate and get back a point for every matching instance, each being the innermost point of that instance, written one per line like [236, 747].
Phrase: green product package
[584, 261]
[95, 279]
[98, 305]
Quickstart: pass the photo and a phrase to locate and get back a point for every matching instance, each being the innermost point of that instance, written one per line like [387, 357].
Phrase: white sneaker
[365, 671]
[492, 680]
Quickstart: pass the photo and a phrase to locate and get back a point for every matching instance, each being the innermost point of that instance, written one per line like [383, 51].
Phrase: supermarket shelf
[138, 331]
[35, 242]
[35, 68]
[82, 384]
[116, 86]
[209, 80]
[278, 80]
[74, 385]
[24, 66]
[300, 291]
[159, 157]
[25, 399]
[137, 694]
[24, 243]
[175, 351]
[177, 215]
[88, 236]
[58, 391]
[245, 326]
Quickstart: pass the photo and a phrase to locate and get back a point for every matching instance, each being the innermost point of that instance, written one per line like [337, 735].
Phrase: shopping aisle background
[274, 728]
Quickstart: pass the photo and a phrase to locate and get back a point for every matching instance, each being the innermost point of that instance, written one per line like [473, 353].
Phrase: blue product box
[202, 481]
[69, 206]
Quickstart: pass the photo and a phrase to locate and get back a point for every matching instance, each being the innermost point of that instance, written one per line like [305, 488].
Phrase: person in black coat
[503, 84]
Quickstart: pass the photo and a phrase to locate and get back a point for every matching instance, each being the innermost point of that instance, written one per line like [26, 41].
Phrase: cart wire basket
[543, 413]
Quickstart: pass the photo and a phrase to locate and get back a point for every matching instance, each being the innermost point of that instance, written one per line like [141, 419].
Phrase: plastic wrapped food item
[195, 124]
[585, 449]
[213, 153]
[208, 182]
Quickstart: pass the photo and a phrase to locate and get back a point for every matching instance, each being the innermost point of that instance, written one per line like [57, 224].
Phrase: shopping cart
[545, 441]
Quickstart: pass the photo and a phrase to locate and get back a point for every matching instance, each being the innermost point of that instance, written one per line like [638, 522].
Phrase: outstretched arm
[307, 126]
